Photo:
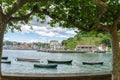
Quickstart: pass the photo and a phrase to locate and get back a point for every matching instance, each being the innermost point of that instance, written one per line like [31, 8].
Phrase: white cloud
[46, 30]
[25, 29]
[36, 40]
[37, 28]
[63, 36]
[6, 38]
[71, 32]
[46, 34]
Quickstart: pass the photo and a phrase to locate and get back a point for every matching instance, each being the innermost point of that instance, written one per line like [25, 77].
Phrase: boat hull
[28, 60]
[4, 57]
[6, 61]
[92, 63]
[45, 65]
[60, 61]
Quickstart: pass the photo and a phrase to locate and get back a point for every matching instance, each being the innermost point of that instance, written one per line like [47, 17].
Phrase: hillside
[86, 39]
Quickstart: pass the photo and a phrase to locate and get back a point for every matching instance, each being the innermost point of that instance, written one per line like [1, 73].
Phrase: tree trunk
[116, 54]
[2, 30]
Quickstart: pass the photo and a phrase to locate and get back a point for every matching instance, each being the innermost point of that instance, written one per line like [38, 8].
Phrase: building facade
[89, 48]
[55, 45]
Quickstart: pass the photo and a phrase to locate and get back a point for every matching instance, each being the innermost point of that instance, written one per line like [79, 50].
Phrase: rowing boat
[45, 65]
[28, 60]
[93, 63]
[5, 57]
[59, 61]
[6, 61]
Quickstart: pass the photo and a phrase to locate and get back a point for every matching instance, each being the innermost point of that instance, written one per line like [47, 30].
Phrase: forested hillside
[85, 38]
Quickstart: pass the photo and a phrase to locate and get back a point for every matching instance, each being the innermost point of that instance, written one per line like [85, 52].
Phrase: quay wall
[96, 76]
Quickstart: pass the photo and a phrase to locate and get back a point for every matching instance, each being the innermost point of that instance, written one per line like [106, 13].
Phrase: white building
[89, 48]
[55, 45]
[102, 47]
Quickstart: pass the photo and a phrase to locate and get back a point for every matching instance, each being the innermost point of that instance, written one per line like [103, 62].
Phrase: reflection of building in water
[55, 45]
[90, 48]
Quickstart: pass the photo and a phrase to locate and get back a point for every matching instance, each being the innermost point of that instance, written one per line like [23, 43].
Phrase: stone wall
[58, 77]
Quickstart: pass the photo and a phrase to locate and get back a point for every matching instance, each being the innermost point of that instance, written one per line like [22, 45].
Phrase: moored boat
[60, 61]
[4, 57]
[93, 63]
[6, 61]
[45, 65]
[28, 60]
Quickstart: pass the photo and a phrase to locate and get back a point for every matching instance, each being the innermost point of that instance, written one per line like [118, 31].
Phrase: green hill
[83, 38]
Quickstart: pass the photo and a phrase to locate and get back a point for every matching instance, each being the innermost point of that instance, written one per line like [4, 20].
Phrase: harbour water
[75, 67]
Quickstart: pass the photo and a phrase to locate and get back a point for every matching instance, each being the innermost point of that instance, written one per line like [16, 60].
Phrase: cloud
[71, 32]
[36, 40]
[46, 34]
[45, 30]
[6, 38]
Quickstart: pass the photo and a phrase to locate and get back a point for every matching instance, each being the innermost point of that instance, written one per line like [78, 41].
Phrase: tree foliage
[90, 15]
[70, 43]
[85, 15]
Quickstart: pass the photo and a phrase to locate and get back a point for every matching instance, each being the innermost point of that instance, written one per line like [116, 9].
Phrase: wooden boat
[100, 51]
[45, 65]
[5, 57]
[60, 61]
[93, 63]
[6, 61]
[28, 60]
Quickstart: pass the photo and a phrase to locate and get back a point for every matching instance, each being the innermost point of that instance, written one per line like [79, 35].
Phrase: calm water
[76, 67]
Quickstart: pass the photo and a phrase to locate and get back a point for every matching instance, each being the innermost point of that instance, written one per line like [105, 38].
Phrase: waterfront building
[55, 45]
[102, 47]
[22, 46]
[88, 48]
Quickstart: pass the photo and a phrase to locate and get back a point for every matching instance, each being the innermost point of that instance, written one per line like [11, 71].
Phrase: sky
[40, 32]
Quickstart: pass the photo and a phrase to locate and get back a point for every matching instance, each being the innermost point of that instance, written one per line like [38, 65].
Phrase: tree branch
[103, 8]
[22, 18]
[53, 16]
[15, 7]
[69, 21]
[117, 18]
[1, 11]
[2, 16]
[35, 0]
[19, 4]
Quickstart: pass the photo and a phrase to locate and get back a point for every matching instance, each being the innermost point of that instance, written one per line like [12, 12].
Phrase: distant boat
[60, 61]
[5, 57]
[45, 65]
[93, 63]
[100, 51]
[6, 61]
[28, 60]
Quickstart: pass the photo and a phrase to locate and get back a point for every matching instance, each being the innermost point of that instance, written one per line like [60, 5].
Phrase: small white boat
[6, 61]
